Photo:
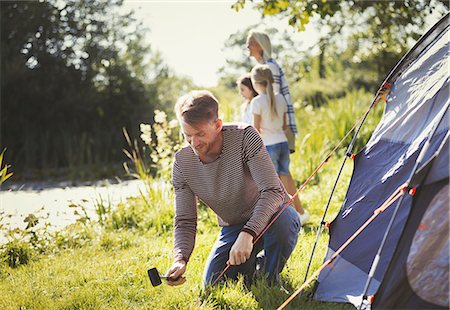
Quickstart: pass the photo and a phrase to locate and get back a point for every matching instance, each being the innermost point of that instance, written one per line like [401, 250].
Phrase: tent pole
[348, 154]
[419, 160]
[386, 204]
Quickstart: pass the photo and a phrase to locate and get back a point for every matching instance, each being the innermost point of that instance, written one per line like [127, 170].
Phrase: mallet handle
[169, 279]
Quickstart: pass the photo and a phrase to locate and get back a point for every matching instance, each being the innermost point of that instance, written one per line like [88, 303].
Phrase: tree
[376, 33]
[398, 12]
[73, 74]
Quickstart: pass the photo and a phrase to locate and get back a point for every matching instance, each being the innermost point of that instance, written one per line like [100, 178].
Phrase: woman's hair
[246, 80]
[196, 107]
[262, 74]
[264, 41]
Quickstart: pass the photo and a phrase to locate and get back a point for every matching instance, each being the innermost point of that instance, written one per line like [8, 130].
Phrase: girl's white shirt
[246, 113]
[271, 127]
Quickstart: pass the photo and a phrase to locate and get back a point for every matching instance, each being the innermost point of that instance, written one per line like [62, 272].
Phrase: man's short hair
[196, 107]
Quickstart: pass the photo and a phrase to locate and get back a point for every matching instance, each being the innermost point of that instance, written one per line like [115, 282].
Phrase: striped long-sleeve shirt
[281, 86]
[241, 187]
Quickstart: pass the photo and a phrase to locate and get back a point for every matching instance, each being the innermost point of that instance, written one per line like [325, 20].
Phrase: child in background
[247, 91]
[269, 118]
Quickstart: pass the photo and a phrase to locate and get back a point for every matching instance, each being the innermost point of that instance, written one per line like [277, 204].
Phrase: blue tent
[417, 103]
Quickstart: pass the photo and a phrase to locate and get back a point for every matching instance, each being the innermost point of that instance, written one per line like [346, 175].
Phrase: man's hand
[176, 271]
[241, 249]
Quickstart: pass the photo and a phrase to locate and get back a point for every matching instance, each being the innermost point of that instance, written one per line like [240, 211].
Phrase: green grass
[322, 128]
[103, 265]
[109, 271]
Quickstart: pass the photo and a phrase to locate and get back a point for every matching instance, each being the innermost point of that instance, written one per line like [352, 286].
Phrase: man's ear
[219, 125]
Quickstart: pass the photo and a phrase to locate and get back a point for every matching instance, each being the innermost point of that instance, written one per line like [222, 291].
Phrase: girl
[269, 118]
[247, 91]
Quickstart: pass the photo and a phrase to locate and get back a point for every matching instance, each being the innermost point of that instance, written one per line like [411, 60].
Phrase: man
[229, 169]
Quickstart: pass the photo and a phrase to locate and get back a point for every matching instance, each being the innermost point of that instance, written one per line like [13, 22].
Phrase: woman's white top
[271, 127]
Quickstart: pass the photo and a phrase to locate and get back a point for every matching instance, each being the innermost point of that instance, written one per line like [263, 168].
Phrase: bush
[16, 253]
[74, 236]
[319, 92]
[162, 149]
[150, 211]
[322, 128]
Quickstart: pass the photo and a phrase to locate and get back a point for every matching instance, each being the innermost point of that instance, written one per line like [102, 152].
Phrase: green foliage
[299, 12]
[162, 140]
[232, 295]
[16, 253]
[230, 102]
[322, 128]
[241, 63]
[318, 92]
[74, 236]
[102, 208]
[143, 215]
[134, 154]
[168, 141]
[169, 88]
[359, 41]
[38, 238]
[74, 73]
[4, 174]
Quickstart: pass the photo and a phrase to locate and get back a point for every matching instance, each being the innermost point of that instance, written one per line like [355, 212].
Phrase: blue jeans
[278, 243]
[279, 153]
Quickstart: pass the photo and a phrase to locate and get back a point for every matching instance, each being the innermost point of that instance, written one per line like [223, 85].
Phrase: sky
[191, 34]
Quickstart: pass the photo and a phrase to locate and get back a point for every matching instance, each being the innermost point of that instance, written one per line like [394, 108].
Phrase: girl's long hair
[262, 74]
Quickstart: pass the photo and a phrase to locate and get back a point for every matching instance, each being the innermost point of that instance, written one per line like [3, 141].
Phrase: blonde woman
[260, 48]
[269, 118]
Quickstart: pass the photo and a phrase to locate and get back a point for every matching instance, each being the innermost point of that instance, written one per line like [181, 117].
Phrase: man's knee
[287, 224]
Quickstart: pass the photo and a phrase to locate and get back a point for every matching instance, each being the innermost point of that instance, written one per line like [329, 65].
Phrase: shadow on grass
[236, 295]
[273, 297]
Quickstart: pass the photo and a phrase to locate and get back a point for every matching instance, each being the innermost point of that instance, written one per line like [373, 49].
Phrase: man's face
[202, 137]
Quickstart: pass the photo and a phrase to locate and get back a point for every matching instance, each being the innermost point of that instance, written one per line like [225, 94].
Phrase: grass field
[106, 267]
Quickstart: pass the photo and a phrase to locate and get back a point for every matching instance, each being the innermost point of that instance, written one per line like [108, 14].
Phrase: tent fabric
[418, 275]
[419, 93]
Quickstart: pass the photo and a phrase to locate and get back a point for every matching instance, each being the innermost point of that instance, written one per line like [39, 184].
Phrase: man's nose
[195, 141]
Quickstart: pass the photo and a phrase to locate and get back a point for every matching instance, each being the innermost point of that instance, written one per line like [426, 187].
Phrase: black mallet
[155, 278]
